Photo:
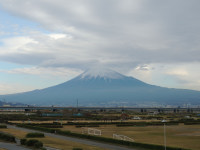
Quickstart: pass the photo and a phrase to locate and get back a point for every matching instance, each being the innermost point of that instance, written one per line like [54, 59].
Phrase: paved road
[17, 146]
[11, 146]
[82, 141]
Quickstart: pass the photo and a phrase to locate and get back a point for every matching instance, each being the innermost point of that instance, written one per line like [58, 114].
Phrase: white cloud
[122, 35]
[58, 36]
[45, 71]
[144, 67]
[16, 44]
[178, 72]
[6, 88]
[31, 78]
[185, 76]
[105, 31]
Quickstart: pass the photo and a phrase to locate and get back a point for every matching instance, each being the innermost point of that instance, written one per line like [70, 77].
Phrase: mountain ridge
[106, 88]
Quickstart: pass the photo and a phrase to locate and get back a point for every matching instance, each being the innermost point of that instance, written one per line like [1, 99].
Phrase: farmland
[182, 129]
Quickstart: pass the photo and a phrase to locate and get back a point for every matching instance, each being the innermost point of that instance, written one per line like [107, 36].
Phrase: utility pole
[165, 135]
[77, 104]
[165, 140]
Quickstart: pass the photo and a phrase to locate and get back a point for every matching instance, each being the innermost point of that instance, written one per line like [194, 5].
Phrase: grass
[177, 136]
[17, 133]
[52, 142]
[184, 136]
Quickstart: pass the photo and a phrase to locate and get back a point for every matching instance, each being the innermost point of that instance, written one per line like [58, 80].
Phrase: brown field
[52, 142]
[177, 136]
[183, 136]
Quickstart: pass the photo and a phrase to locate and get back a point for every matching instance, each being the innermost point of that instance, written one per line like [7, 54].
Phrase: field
[184, 136]
[52, 142]
[180, 135]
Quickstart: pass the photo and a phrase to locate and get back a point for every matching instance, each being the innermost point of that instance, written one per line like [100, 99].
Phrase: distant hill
[106, 88]
[2, 103]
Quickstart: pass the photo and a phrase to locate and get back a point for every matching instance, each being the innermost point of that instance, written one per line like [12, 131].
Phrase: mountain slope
[107, 88]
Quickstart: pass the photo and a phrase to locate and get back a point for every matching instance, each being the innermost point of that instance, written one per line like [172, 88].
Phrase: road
[16, 146]
[78, 140]
[11, 146]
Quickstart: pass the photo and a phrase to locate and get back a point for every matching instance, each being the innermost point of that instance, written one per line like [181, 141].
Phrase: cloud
[122, 35]
[13, 88]
[58, 36]
[44, 71]
[179, 72]
[106, 31]
[144, 67]
[185, 76]
[30, 78]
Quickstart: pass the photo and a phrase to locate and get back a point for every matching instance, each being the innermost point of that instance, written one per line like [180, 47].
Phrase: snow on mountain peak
[101, 73]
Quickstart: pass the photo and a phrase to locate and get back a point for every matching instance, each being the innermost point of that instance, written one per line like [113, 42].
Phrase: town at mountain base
[106, 88]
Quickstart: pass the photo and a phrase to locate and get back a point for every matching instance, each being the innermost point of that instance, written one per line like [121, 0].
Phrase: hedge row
[80, 126]
[7, 137]
[51, 126]
[192, 123]
[33, 135]
[37, 128]
[146, 124]
[96, 124]
[102, 139]
[45, 125]
[31, 143]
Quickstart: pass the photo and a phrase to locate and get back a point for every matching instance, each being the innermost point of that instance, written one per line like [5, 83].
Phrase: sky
[44, 43]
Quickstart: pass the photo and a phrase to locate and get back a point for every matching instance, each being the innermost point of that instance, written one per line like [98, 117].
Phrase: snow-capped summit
[101, 73]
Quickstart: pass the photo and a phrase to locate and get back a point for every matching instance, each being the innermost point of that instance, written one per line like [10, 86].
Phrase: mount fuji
[106, 88]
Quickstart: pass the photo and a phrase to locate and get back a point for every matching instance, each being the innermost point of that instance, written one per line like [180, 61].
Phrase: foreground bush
[3, 126]
[33, 135]
[23, 141]
[7, 137]
[38, 144]
[31, 143]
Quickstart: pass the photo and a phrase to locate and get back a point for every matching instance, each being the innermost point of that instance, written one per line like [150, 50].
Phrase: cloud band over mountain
[123, 35]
